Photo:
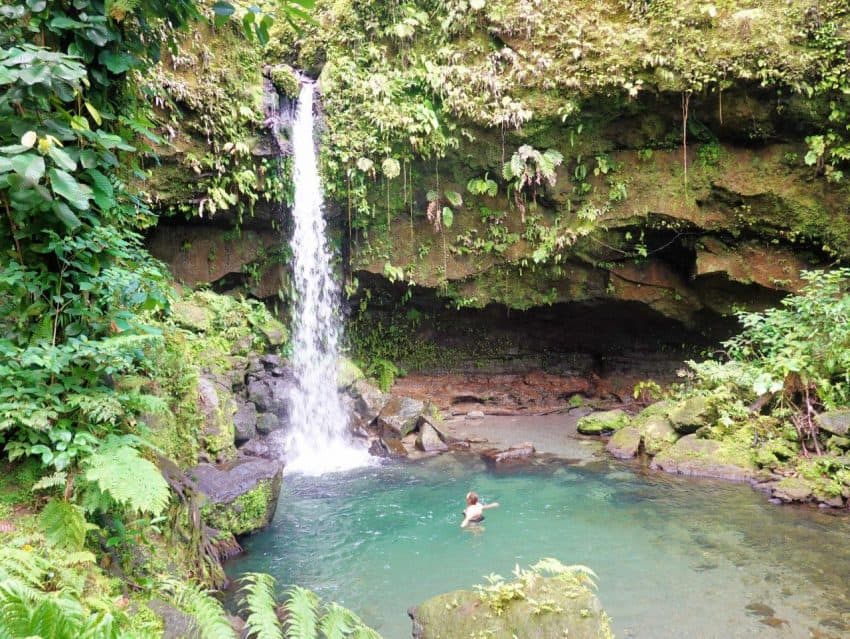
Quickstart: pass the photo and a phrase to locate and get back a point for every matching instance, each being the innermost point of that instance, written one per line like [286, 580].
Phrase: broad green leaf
[29, 166]
[66, 215]
[66, 186]
[62, 159]
[94, 113]
[448, 217]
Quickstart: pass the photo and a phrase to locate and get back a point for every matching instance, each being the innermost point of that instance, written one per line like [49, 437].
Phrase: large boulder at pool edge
[549, 608]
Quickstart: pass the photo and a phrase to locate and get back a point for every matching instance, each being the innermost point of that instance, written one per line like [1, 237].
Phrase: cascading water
[319, 441]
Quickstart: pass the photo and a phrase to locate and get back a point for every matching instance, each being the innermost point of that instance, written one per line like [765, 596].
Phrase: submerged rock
[549, 608]
[516, 453]
[475, 414]
[625, 443]
[603, 423]
[690, 415]
[239, 497]
[705, 458]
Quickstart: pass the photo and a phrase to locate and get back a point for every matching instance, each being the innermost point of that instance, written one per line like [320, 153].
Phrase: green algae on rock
[533, 607]
[603, 423]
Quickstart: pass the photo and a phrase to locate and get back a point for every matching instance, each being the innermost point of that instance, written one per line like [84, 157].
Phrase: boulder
[705, 458]
[245, 423]
[516, 453]
[218, 408]
[475, 414]
[191, 316]
[272, 447]
[401, 414]
[658, 433]
[835, 422]
[367, 402]
[268, 423]
[176, 624]
[430, 439]
[792, 489]
[625, 443]
[690, 415]
[603, 423]
[348, 373]
[571, 610]
[270, 394]
[238, 497]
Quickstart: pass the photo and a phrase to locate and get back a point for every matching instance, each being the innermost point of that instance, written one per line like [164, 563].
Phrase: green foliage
[64, 524]
[528, 168]
[117, 471]
[206, 611]
[497, 593]
[305, 617]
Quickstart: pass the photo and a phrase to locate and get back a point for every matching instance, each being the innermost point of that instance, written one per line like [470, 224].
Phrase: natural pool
[675, 557]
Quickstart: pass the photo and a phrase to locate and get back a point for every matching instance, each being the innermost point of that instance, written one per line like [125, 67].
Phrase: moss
[247, 513]
[285, 81]
[603, 423]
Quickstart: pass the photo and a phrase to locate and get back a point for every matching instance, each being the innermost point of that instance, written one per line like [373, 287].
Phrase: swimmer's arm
[465, 521]
[495, 504]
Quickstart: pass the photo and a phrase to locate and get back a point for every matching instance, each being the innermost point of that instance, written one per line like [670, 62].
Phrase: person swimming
[474, 511]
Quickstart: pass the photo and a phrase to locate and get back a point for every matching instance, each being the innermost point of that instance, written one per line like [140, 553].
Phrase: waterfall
[319, 440]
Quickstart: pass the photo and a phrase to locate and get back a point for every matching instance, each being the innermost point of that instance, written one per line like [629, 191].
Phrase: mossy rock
[793, 489]
[603, 423]
[552, 608]
[658, 434]
[835, 422]
[706, 458]
[239, 497]
[348, 373]
[192, 316]
[625, 443]
[691, 414]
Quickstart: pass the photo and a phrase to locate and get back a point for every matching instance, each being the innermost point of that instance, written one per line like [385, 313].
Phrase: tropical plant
[527, 169]
[303, 615]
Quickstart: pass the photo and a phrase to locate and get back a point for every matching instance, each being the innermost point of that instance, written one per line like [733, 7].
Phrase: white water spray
[319, 441]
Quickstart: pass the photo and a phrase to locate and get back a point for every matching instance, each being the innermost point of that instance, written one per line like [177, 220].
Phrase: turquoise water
[675, 558]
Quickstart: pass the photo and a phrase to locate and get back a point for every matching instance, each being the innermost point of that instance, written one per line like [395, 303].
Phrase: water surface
[675, 558]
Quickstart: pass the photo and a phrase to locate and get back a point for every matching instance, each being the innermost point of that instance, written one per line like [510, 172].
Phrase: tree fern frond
[337, 622]
[64, 524]
[19, 565]
[558, 569]
[59, 478]
[259, 602]
[128, 478]
[301, 613]
[206, 611]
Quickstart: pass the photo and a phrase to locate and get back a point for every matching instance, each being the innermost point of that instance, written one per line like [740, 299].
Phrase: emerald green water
[675, 558]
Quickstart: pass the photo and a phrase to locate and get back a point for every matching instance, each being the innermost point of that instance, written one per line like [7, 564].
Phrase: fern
[128, 478]
[59, 478]
[206, 611]
[301, 614]
[337, 623]
[259, 602]
[21, 566]
[64, 524]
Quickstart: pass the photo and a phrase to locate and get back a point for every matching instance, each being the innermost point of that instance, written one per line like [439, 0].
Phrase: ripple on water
[675, 558]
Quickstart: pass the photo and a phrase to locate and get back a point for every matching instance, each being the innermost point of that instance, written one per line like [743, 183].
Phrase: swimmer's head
[471, 498]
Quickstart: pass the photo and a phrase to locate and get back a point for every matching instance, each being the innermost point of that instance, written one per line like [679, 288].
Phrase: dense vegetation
[94, 367]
